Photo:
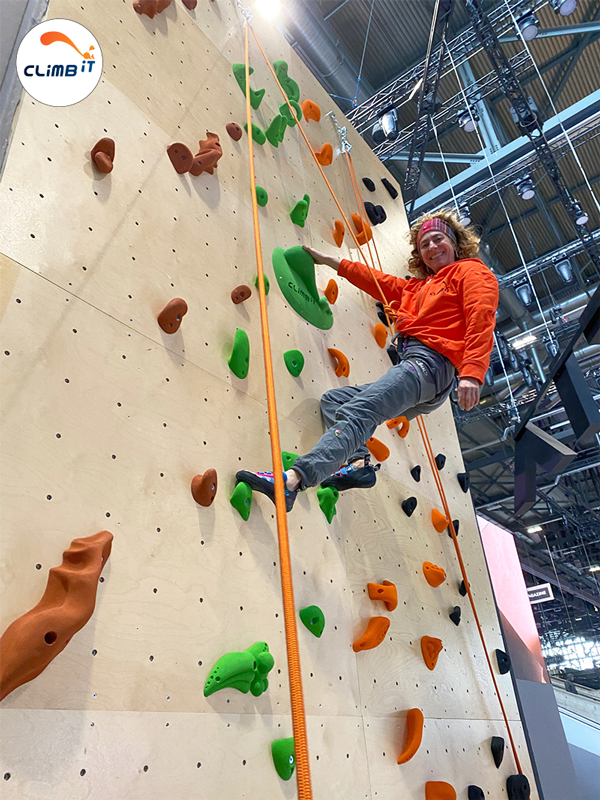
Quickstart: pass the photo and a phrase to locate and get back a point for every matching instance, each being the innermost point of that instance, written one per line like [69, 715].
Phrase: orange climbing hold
[374, 635]
[440, 522]
[431, 648]
[439, 790]
[325, 155]
[204, 487]
[311, 110]
[434, 575]
[414, 734]
[150, 7]
[331, 291]
[380, 334]
[402, 422]
[342, 368]
[378, 449]
[338, 232]
[385, 592]
[363, 229]
[103, 154]
[170, 317]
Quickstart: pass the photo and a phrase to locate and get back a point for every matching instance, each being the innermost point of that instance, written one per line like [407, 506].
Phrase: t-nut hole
[50, 637]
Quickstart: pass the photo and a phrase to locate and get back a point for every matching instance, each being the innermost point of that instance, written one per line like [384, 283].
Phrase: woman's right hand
[323, 258]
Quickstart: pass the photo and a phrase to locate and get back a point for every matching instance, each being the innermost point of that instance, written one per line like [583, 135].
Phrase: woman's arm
[323, 258]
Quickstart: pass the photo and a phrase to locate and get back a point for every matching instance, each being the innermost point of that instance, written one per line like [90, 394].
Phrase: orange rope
[287, 588]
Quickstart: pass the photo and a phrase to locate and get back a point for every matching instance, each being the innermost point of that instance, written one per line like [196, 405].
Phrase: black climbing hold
[503, 660]
[455, 615]
[416, 473]
[475, 793]
[409, 505]
[462, 589]
[381, 314]
[381, 213]
[440, 460]
[393, 354]
[517, 787]
[390, 187]
[497, 747]
[376, 214]
[456, 524]
[464, 480]
[369, 184]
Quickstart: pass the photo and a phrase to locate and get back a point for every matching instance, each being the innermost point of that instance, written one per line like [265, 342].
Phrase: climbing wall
[106, 419]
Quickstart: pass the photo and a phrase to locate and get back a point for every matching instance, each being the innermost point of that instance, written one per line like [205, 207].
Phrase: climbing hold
[234, 130]
[331, 291]
[190, 4]
[338, 232]
[497, 748]
[434, 575]
[311, 110]
[239, 360]
[390, 187]
[369, 184]
[328, 497]
[103, 154]
[440, 460]
[373, 636]
[32, 641]
[409, 505]
[402, 432]
[503, 660]
[204, 487]
[285, 112]
[439, 520]
[170, 317]
[378, 449]
[210, 151]
[456, 525]
[314, 619]
[414, 734]
[462, 589]
[257, 133]
[439, 790]
[382, 317]
[284, 757]
[464, 480]
[295, 272]
[150, 7]
[380, 334]
[455, 615]
[299, 212]
[276, 130]
[342, 367]
[325, 155]
[385, 592]
[241, 500]
[363, 229]
[376, 214]
[290, 87]
[294, 361]
[287, 459]
[256, 96]
[241, 293]
[431, 648]
[262, 198]
[475, 793]
[266, 283]
[517, 787]
[245, 671]
[181, 157]
[416, 473]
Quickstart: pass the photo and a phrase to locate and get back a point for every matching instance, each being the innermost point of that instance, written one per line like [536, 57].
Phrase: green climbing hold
[290, 87]
[284, 757]
[288, 459]
[327, 497]
[294, 361]
[295, 272]
[266, 282]
[276, 130]
[241, 499]
[239, 72]
[314, 619]
[257, 133]
[246, 671]
[239, 360]
[285, 112]
[262, 198]
[299, 212]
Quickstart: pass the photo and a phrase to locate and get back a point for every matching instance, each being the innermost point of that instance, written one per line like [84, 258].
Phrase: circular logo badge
[59, 62]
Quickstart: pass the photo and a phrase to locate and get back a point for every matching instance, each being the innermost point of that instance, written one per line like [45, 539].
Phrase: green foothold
[257, 133]
[314, 619]
[239, 72]
[276, 130]
[294, 361]
[327, 498]
[284, 757]
[239, 360]
[267, 284]
[288, 459]
[264, 664]
[295, 272]
[245, 671]
[290, 87]
[285, 112]
[262, 198]
[241, 500]
[299, 212]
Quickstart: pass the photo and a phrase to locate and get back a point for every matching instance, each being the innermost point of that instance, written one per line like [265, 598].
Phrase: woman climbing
[445, 318]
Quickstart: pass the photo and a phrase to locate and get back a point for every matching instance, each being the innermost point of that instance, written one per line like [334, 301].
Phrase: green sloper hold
[314, 619]
[239, 72]
[239, 360]
[257, 133]
[245, 671]
[262, 198]
[327, 498]
[285, 112]
[299, 212]
[290, 87]
[267, 284]
[294, 361]
[241, 500]
[295, 272]
[276, 130]
[284, 757]
[288, 459]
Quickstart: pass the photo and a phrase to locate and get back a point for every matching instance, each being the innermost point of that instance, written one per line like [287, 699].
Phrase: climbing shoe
[265, 483]
[351, 477]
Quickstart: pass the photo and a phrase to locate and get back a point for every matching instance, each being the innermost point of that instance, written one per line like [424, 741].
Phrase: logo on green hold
[295, 272]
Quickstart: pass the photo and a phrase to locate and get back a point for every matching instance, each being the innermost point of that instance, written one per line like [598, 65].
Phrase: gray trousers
[419, 384]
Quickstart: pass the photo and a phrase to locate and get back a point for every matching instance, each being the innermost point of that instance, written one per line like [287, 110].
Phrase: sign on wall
[540, 594]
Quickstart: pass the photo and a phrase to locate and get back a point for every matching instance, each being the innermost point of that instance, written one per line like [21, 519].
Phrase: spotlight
[269, 9]
[564, 7]
[377, 133]
[551, 345]
[565, 270]
[389, 120]
[502, 344]
[468, 120]
[489, 377]
[523, 291]
[579, 215]
[529, 25]
[464, 214]
[525, 188]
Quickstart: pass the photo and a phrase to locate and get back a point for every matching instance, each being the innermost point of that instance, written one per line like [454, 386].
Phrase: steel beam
[436, 158]
[560, 30]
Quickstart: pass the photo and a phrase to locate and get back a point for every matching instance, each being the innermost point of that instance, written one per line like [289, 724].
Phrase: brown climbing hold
[241, 293]
[170, 317]
[414, 734]
[374, 635]
[30, 643]
[434, 575]
[181, 157]
[204, 487]
[103, 154]
[342, 368]
[338, 232]
[380, 334]
[440, 522]
[207, 156]
[190, 4]
[431, 648]
[439, 790]
[311, 110]
[385, 592]
[325, 155]
[378, 449]
[150, 7]
[331, 291]
[234, 130]
[363, 229]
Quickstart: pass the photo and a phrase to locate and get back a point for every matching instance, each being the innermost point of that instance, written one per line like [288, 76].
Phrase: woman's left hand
[468, 393]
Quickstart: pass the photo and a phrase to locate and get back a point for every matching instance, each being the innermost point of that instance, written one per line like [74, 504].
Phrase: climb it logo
[59, 62]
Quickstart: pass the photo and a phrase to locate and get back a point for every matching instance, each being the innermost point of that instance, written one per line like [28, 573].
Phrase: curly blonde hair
[468, 241]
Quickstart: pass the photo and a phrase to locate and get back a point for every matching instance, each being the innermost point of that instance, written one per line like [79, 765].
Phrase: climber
[444, 320]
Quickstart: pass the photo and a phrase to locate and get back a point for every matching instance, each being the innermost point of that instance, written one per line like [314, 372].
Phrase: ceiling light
[595, 568]
[525, 188]
[579, 215]
[528, 25]
[551, 345]
[464, 214]
[468, 120]
[534, 529]
[564, 7]
[377, 133]
[565, 270]
[524, 293]
[388, 123]
[526, 339]
[269, 9]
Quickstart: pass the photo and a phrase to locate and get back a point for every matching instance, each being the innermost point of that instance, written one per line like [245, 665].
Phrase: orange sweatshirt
[452, 311]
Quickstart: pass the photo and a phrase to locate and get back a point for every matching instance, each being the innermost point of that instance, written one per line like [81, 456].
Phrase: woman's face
[437, 250]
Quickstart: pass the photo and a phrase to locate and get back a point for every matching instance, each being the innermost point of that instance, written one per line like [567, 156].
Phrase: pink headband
[437, 224]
